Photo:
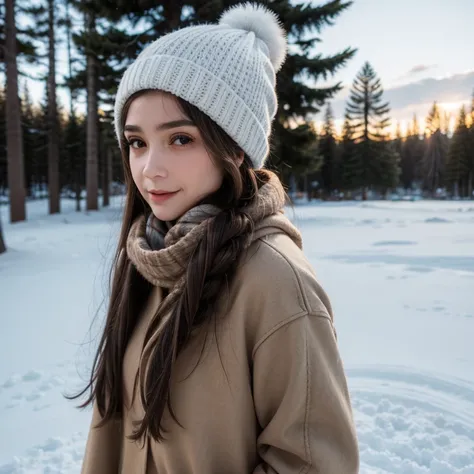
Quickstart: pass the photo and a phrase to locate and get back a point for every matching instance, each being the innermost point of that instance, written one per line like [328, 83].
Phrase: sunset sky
[421, 49]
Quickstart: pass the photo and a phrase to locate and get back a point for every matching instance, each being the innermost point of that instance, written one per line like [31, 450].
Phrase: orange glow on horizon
[451, 109]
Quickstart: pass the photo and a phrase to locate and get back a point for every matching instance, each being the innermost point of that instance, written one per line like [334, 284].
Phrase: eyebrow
[163, 126]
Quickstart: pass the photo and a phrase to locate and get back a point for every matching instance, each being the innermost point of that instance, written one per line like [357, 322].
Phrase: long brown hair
[211, 266]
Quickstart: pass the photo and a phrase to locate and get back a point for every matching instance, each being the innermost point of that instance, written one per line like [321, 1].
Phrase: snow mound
[411, 422]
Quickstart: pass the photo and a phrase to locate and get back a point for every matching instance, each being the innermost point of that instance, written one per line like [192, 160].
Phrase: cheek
[217, 177]
[136, 172]
[209, 174]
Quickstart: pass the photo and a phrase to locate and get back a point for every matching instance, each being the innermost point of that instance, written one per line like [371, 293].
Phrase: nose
[155, 165]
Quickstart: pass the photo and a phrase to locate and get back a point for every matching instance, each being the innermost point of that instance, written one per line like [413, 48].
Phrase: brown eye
[135, 143]
[181, 140]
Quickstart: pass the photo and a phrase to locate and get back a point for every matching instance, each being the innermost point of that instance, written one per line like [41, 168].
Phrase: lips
[158, 193]
[161, 196]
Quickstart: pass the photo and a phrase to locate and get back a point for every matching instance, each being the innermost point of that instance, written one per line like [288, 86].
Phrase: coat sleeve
[302, 401]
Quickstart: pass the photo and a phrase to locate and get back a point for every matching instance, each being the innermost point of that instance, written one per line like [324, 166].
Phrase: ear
[240, 159]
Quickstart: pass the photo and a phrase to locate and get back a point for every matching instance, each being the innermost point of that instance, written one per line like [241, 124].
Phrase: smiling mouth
[161, 196]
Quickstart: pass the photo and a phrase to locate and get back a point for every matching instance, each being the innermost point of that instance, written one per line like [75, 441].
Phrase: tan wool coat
[269, 393]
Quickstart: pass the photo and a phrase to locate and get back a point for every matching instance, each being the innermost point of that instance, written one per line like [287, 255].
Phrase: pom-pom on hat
[227, 70]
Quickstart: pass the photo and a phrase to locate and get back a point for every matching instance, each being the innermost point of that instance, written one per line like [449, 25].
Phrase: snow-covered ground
[401, 279]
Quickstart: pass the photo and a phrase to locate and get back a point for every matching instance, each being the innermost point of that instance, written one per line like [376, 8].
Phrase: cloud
[420, 68]
[416, 96]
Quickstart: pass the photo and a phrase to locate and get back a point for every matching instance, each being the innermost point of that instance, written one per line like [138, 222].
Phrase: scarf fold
[161, 251]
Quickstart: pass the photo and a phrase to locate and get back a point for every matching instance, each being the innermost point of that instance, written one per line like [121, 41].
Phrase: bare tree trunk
[53, 129]
[306, 186]
[456, 189]
[110, 157]
[3, 247]
[92, 177]
[78, 194]
[69, 55]
[72, 116]
[106, 177]
[469, 186]
[172, 13]
[16, 175]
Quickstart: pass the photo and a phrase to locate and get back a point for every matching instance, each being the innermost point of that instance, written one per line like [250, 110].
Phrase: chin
[164, 214]
[168, 211]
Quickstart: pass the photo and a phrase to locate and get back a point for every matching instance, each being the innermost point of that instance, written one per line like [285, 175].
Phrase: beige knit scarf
[165, 264]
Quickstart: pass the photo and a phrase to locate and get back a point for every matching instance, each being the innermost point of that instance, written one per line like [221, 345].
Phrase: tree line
[50, 149]
[367, 158]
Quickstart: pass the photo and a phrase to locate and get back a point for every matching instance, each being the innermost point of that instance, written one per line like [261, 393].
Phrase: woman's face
[168, 160]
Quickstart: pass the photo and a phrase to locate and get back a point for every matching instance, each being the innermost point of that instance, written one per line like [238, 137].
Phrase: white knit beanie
[226, 70]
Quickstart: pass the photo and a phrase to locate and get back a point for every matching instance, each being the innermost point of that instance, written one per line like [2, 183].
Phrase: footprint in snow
[9, 406]
[12, 381]
[419, 269]
[33, 396]
[31, 376]
[41, 407]
[385, 243]
[437, 220]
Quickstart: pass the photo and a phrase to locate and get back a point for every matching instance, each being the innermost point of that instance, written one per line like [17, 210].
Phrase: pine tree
[348, 157]
[30, 139]
[398, 141]
[73, 144]
[375, 160]
[433, 121]
[398, 146]
[3, 143]
[53, 124]
[67, 24]
[73, 152]
[471, 154]
[3, 162]
[92, 165]
[471, 124]
[411, 156]
[107, 51]
[40, 32]
[26, 51]
[328, 153]
[45, 21]
[3, 247]
[434, 160]
[367, 112]
[458, 164]
[445, 122]
[299, 96]
[472, 108]
[35, 144]
[303, 144]
[16, 181]
[417, 145]
[407, 164]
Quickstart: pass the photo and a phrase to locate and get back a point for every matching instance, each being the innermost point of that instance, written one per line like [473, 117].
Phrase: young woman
[219, 352]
